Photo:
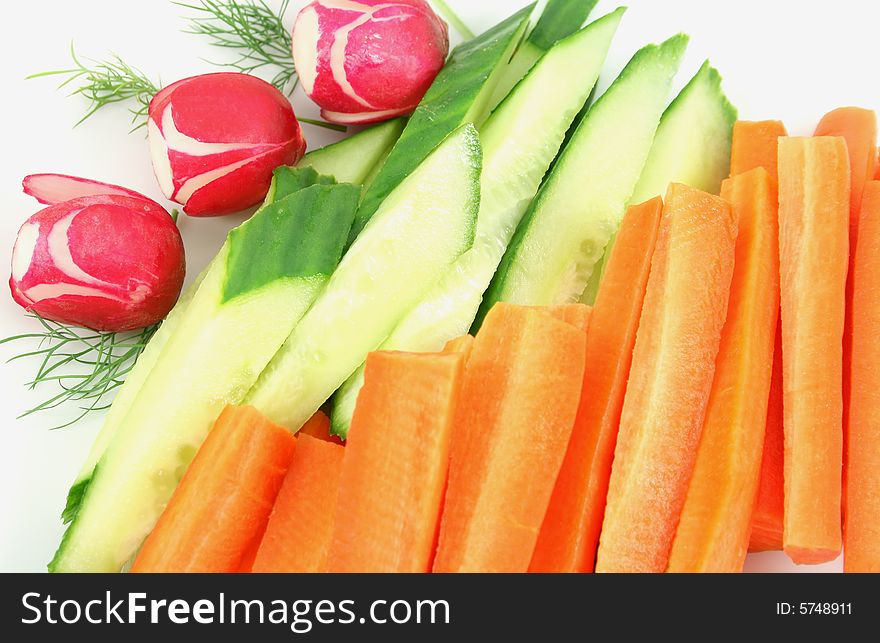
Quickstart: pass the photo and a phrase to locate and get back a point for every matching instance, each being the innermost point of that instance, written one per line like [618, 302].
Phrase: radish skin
[364, 61]
[216, 138]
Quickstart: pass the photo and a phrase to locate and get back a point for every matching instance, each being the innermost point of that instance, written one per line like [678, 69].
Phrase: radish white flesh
[50, 189]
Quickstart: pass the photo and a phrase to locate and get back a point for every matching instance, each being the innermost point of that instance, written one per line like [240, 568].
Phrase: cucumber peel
[417, 233]
[460, 94]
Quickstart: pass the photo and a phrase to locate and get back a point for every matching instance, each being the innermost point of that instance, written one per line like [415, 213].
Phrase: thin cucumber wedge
[579, 206]
[265, 277]
[460, 94]
[415, 236]
[692, 146]
[560, 19]
[352, 159]
[520, 140]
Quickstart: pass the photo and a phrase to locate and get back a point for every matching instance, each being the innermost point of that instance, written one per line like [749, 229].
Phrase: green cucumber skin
[460, 94]
[692, 146]
[558, 20]
[352, 159]
[173, 410]
[519, 144]
[417, 234]
[582, 223]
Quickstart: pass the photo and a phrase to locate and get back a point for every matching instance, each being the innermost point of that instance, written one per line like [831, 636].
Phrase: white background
[787, 59]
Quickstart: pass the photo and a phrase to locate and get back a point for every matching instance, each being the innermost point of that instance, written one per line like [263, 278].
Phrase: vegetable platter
[543, 165]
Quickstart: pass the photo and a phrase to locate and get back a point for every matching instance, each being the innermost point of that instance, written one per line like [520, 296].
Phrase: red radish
[364, 61]
[216, 138]
[100, 256]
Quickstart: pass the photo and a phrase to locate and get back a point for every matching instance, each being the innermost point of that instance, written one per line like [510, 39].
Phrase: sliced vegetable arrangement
[672, 314]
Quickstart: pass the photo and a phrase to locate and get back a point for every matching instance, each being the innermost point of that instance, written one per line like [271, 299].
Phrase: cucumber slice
[692, 146]
[460, 94]
[415, 236]
[265, 277]
[352, 159]
[582, 200]
[520, 140]
[560, 19]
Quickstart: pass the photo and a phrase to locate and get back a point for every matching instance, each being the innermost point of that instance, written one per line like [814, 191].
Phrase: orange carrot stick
[715, 525]
[297, 536]
[519, 400]
[767, 518]
[861, 550]
[318, 426]
[221, 506]
[570, 531]
[814, 185]
[461, 344]
[395, 465]
[670, 380]
[578, 315]
[858, 127]
[754, 145]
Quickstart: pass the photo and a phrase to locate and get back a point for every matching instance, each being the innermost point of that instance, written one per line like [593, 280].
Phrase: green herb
[257, 34]
[453, 19]
[86, 365]
[108, 82]
[250, 27]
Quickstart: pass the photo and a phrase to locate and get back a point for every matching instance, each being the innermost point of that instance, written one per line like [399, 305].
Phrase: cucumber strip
[415, 236]
[560, 19]
[460, 94]
[352, 159]
[692, 146]
[267, 274]
[520, 140]
[582, 200]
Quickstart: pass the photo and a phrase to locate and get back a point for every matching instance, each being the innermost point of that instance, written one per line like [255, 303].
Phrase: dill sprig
[253, 29]
[106, 82]
[257, 34]
[86, 365]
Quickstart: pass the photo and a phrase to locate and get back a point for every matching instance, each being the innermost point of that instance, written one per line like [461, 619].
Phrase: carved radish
[100, 256]
[363, 61]
[216, 138]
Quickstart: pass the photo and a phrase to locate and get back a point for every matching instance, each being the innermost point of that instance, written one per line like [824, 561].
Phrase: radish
[216, 138]
[364, 61]
[100, 256]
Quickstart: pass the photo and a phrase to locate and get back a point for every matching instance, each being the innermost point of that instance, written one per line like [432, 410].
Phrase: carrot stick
[814, 186]
[519, 400]
[578, 315]
[861, 550]
[859, 128]
[570, 531]
[670, 380]
[715, 525]
[297, 536]
[767, 519]
[461, 344]
[222, 504]
[395, 465]
[318, 426]
[754, 145]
